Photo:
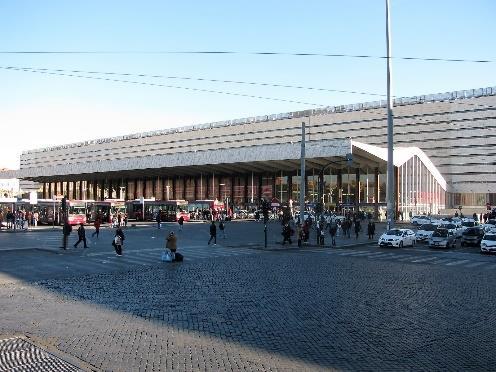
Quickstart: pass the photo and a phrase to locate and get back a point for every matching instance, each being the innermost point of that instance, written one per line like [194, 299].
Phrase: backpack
[179, 257]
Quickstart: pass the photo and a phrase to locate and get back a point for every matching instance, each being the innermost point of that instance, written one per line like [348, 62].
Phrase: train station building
[444, 157]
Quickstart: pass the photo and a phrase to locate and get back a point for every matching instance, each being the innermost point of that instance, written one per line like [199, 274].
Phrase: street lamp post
[390, 164]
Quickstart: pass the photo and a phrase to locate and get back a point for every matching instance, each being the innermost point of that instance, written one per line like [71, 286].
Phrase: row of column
[246, 188]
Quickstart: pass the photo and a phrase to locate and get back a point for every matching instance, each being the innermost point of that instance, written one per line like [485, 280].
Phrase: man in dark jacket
[66, 230]
[81, 236]
[213, 233]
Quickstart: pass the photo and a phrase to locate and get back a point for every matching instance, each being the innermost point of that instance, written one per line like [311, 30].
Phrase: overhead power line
[194, 79]
[164, 86]
[224, 52]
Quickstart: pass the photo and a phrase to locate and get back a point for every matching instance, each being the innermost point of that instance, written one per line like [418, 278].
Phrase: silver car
[442, 238]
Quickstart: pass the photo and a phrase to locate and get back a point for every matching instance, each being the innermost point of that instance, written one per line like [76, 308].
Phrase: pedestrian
[81, 236]
[158, 219]
[333, 229]
[371, 229]
[125, 219]
[299, 234]
[97, 224]
[286, 234]
[358, 227]
[36, 217]
[118, 241]
[180, 221]
[222, 229]
[213, 233]
[171, 244]
[66, 231]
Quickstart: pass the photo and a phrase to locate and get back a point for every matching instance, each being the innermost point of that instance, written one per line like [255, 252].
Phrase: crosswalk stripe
[474, 264]
[425, 259]
[454, 263]
[441, 261]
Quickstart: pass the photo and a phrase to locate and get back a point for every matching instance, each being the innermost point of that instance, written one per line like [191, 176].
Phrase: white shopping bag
[166, 257]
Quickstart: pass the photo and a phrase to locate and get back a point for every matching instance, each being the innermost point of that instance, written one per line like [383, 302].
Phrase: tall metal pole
[302, 174]
[390, 164]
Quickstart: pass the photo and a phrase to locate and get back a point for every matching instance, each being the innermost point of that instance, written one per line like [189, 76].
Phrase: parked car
[397, 238]
[425, 231]
[488, 242]
[456, 230]
[420, 220]
[442, 238]
[468, 223]
[472, 236]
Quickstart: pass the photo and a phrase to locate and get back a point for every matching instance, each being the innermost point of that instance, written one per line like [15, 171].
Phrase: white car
[488, 242]
[453, 229]
[420, 220]
[425, 231]
[397, 238]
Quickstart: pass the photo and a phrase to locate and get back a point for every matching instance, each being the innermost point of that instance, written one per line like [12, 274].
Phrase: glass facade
[418, 190]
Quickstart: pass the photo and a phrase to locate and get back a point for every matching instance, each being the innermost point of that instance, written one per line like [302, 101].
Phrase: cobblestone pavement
[268, 311]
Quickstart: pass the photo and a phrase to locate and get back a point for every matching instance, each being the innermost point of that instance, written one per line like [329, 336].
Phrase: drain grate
[18, 354]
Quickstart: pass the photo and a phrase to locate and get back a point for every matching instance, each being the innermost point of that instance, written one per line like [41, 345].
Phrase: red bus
[170, 210]
[76, 212]
[106, 209]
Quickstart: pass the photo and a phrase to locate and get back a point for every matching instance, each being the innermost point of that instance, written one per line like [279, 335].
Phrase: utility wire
[76, 74]
[165, 86]
[194, 79]
[225, 52]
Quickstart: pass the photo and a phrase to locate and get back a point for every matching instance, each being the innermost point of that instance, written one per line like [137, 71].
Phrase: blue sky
[38, 110]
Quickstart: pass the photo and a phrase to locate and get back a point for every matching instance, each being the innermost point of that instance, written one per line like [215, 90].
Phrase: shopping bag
[166, 257]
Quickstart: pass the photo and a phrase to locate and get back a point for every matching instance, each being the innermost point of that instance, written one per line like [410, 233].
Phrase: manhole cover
[18, 354]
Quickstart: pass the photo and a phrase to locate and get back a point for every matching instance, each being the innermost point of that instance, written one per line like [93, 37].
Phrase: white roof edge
[401, 155]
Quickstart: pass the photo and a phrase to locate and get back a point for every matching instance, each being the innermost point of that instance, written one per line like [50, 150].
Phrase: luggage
[179, 257]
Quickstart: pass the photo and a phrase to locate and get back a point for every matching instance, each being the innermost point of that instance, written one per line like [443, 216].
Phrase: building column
[44, 191]
[81, 190]
[233, 179]
[110, 189]
[260, 177]
[290, 186]
[246, 197]
[183, 197]
[339, 184]
[357, 189]
[396, 191]
[102, 190]
[135, 196]
[67, 191]
[376, 193]
[321, 189]
[174, 192]
[154, 185]
[195, 188]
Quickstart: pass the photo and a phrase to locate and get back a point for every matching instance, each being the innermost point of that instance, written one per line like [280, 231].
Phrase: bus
[106, 209]
[203, 209]
[44, 207]
[76, 212]
[171, 210]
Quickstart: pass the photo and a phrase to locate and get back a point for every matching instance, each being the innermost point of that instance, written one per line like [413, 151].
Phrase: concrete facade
[455, 130]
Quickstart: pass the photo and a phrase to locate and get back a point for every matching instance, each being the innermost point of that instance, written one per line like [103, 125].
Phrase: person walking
[97, 224]
[171, 244]
[118, 241]
[180, 221]
[81, 236]
[371, 229]
[299, 234]
[36, 217]
[66, 231]
[222, 229]
[286, 234]
[358, 228]
[333, 229]
[159, 219]
[213, 233]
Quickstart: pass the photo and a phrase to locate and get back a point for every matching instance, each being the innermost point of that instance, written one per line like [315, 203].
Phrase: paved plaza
[236, 306]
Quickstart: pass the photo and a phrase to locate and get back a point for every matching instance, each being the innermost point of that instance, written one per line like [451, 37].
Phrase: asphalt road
[236, 306]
